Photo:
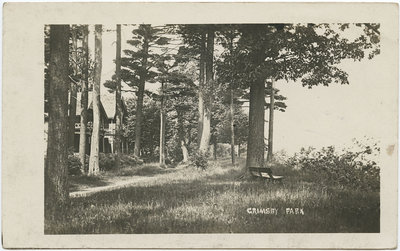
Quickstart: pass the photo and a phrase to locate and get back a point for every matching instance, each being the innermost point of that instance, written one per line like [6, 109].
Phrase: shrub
[350, 168]
[74, 165]
[106, 161]
[130, 160]
[199, 160]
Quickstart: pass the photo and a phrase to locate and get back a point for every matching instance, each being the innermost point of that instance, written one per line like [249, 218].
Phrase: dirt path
[114, 184]
[108, 183]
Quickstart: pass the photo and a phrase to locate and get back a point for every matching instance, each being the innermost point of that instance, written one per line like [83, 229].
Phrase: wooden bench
[264, 172]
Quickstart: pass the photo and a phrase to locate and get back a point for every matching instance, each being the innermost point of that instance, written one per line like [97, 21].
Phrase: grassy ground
[187, 200]
[82, 183]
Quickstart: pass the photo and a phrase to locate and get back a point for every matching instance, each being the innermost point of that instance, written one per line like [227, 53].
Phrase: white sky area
[317, 117]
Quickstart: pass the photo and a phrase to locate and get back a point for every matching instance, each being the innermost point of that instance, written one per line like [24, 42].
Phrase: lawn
[187, 200]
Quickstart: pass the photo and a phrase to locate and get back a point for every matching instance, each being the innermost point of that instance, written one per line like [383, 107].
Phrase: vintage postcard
[200, 125]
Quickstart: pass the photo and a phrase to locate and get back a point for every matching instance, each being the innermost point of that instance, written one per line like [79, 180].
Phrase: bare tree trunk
[239, 150]
[271, 123]
[185, 151]
[232, 113]
[139, 119]
[255, 142]
[207, 94]
[215, 148]
[140, 94]
[84, 99]
[181, 134]
[201, 86]
[73, 90]
[118, 121]
[162, 127]
[56, 166]
[94, 150]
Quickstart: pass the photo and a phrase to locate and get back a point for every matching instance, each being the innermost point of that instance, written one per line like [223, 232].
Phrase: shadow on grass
[76, 183]
[148, 170]
[188, 200]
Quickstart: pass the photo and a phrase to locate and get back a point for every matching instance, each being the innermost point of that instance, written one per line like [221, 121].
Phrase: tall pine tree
[138, 68]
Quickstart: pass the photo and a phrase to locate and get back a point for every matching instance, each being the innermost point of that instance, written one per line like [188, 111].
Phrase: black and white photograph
[251, 127]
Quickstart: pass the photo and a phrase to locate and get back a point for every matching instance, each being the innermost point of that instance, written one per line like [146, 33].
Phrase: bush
[130, 160]
[106, 161]
[199, 160]
[350, 168]
[74, 165]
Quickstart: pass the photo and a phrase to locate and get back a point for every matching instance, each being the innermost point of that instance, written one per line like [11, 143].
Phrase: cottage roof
[110, 107]
[90, 104]
[107, 101]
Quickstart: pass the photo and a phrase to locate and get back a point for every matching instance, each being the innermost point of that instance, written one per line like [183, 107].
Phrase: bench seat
[264, 173]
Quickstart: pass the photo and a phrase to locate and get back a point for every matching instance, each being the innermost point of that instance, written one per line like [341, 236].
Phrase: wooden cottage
[104, 125]
[109, 103]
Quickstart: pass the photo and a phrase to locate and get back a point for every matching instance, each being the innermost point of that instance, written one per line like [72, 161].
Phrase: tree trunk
[271, 123]
[255, 142]
[162, 127]
[94, 150]
[84, 99]
[118, 121]
[232, 128]
[185, 151]
[239, 150]
[140, 94]
[56, 167]
[207, 94]
[215, 148]
[73, 90]
[201, 86]
[182, 140]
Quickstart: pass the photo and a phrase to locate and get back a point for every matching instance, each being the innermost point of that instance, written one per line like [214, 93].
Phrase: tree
[73, 86]
[151, 114]
[56, 169]
[118, 124]
[163, 68]
[182, 110]
[180, 96]
[271, 123]
[207, 92]
[138, 68]
[94, 147]
[241, 129]
[169, 68]
[84, 97]
[200, 39]
[226, 74]
[305, 52]
[162, 126]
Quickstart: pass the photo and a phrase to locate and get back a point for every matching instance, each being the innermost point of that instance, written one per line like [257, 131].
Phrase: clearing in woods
[149, 199]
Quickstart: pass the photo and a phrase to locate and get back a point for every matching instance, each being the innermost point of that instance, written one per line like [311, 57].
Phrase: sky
[318, 117]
